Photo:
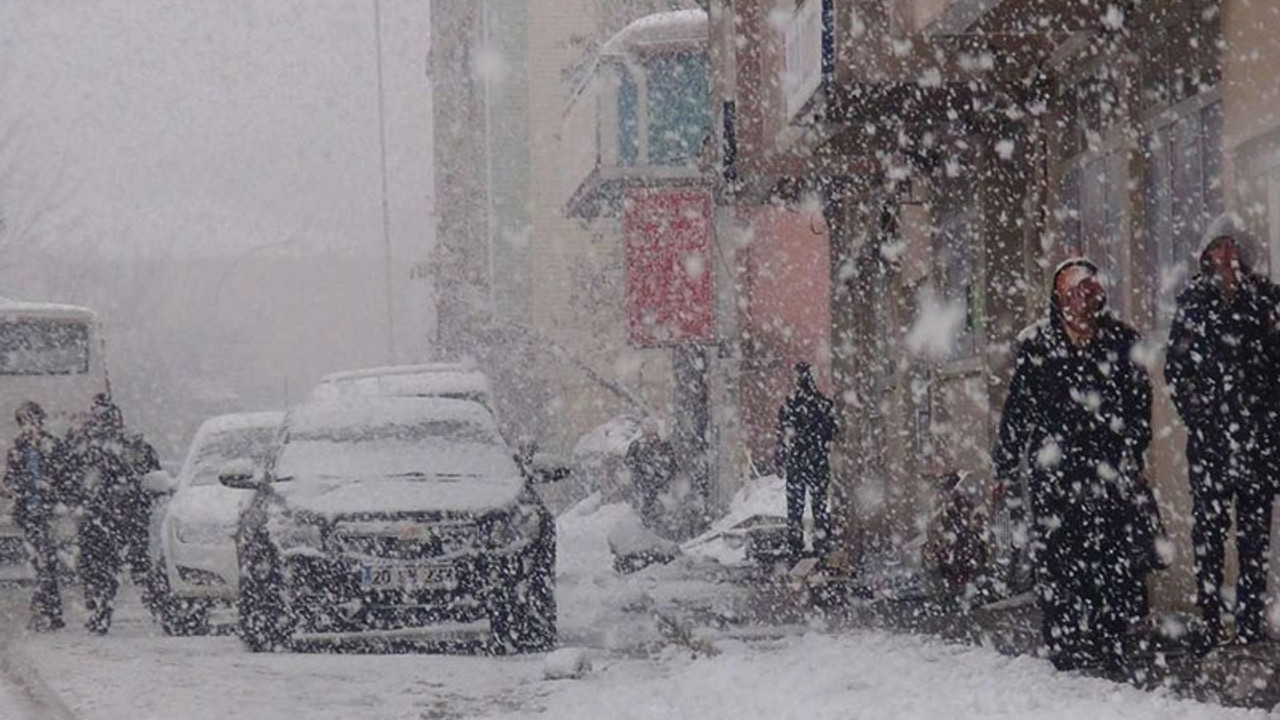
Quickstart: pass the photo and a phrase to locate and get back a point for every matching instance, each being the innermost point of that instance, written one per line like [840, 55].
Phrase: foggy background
[207, 177]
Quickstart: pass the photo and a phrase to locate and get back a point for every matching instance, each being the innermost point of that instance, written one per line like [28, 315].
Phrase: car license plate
[406, 576]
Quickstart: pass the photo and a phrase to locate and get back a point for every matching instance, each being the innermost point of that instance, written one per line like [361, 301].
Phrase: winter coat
[1081, 418]
[806, 427]
[110, 463]
[652, 464]
[36, 474]
[1223, 360]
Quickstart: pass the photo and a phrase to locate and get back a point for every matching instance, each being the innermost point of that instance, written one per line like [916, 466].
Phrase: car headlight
[294, 534]
[518, 526]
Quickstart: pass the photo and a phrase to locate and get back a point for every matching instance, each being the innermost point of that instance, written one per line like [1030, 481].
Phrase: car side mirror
[159, 482]
[240, 475]
[547, 468]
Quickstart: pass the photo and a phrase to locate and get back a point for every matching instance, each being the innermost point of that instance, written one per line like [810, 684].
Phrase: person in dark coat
[1078, 414]
[652, 464]
[115, 509]
[1224, 371]
[806, 427]
[34, 476]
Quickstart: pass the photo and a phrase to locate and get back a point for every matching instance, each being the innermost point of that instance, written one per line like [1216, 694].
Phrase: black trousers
[1089, 594]
[1224, 477]
[109, 542]
[802, 481]
[46, 601]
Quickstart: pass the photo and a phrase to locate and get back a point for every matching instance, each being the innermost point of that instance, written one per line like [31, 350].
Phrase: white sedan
[193, 546]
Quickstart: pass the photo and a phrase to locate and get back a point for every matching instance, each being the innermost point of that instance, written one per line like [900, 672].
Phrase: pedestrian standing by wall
[35, 475]
[1078, 414]
[806, 427]
[1224, 371]
[116, 510]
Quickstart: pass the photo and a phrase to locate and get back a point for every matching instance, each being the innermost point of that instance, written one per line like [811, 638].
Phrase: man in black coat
[116, 510]
[1224, 371]
[1078, 414]
[35, 474]
[806, 427]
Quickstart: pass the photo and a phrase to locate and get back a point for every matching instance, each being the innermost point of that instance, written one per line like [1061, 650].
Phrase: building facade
[961, 149]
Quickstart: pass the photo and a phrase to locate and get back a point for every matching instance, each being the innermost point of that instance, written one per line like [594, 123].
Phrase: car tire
[263, 619]
[522, 615]
[178, 616]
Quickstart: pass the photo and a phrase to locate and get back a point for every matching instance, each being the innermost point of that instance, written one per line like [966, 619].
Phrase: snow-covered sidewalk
[637, 670]
[816, 676]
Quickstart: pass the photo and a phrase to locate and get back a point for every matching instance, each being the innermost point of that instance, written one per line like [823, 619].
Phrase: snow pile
[857, 675]
[759, 501]
[566, 664]
[634, 546]
[600, 608]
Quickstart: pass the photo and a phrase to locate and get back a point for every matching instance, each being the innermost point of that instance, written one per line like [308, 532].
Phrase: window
[1092, 178]
[628, 118]
[1183, 193]
[664, 111]
[679, 114]
[44, 347]
[961, 280]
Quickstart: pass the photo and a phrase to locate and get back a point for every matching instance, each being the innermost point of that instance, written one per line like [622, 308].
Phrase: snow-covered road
[136, 673]
[873, 675]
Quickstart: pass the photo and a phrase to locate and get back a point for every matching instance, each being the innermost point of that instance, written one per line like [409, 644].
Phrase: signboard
[669, 272]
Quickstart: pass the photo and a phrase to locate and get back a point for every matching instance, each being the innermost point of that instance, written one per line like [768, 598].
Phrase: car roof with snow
[241, 421]
[10, 307]
[356, 411]
[448, 380]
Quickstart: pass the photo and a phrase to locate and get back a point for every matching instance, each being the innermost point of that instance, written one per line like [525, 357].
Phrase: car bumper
[329, 597]
[477, 632]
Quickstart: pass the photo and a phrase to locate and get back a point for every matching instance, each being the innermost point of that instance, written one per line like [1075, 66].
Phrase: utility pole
[386, 213]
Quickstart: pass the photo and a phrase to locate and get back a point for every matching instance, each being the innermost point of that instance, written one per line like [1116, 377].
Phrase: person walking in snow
[35, 475]
[1224, 371]
[1078, 414]
[116, 510]
[806, 427]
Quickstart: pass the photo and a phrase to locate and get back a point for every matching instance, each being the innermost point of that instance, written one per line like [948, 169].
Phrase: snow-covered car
[396, 520]
[460, 381]
[193, 533]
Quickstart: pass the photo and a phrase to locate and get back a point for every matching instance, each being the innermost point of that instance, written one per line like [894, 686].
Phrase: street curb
[19, 668]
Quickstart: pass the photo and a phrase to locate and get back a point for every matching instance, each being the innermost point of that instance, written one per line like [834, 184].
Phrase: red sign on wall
[669, 288]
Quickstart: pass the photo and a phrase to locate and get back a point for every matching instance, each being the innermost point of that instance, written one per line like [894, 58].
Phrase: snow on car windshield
[218, 449]
[426, 449]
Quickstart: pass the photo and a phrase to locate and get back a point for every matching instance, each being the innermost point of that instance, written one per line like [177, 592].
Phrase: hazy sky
[220, 125]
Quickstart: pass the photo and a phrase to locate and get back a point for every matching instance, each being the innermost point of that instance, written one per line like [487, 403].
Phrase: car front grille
[406, 539]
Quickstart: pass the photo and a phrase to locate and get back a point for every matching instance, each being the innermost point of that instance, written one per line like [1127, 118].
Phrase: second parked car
[193, 546]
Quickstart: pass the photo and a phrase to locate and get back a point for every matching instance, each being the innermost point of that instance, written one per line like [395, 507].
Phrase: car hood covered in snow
[393, 496]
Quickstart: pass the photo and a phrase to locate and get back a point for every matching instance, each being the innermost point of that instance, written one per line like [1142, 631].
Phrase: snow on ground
[600, 608]
[607, 625]
[872, 675]
[13, 706]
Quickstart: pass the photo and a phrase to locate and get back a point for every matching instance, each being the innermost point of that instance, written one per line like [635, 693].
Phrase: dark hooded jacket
[1081, 418]
[36, 473]
[1223, 361]
[806, 427]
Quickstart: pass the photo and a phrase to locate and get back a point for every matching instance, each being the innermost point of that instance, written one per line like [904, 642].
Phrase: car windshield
[218, 449]
[426, 449]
